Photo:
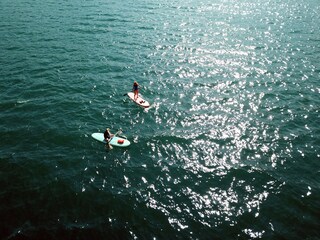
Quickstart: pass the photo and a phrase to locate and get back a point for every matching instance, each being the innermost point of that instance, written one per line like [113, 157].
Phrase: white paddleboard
[115, 141]
[140, 101]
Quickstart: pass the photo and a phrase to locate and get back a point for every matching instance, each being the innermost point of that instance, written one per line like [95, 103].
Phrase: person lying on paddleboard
[135, 90]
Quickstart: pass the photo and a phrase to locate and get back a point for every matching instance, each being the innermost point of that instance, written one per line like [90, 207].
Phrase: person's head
[135, 83]
[108, 129]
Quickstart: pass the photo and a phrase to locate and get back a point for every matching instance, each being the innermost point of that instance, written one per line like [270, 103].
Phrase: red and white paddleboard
[140, 101]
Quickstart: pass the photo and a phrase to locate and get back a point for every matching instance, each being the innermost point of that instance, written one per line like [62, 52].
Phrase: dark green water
[228, 150]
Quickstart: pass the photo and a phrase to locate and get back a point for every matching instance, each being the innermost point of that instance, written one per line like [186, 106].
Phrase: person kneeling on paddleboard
[135, 90]
[107, 137]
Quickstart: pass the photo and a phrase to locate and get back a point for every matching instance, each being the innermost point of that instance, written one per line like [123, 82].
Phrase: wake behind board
[115, 141]
[140, 101]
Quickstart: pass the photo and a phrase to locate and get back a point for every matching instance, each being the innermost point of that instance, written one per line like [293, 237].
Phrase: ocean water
[229, 148]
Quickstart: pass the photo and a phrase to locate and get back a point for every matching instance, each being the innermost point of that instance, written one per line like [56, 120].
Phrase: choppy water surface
[228, 150]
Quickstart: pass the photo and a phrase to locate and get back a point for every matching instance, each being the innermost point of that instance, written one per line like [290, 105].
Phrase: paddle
[119, 132]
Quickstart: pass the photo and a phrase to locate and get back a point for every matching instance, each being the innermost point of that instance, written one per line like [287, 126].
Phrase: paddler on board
[135, 90]
[107, 137]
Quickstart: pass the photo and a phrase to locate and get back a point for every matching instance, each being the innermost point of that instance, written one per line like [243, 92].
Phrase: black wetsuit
[107, 135]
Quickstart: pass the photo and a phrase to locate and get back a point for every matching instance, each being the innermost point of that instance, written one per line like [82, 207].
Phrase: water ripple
[234, 118]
